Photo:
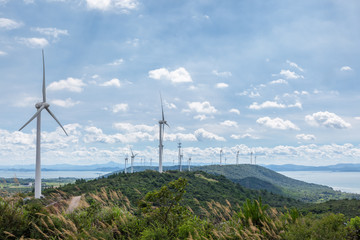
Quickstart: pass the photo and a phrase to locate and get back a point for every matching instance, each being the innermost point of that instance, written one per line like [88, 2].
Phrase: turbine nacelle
[42, 104]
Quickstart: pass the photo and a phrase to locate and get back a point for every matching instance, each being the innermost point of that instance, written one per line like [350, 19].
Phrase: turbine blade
[167, 124]
[132, 154]
[47, 109]
[162, 108]
[34, 116]
[43, 87]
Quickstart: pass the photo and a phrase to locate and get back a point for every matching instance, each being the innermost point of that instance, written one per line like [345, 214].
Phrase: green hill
[257, 177]
[202, 188]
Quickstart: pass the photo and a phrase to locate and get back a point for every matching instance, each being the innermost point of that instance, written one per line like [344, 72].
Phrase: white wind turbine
[40, 106]
[221, 151]
[132, 160]
[180, 156]
[162, 124]
[237, 157]
[126, 161]
[189, 163]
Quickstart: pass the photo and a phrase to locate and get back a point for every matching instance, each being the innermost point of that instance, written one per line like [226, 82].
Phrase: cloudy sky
[275, 78]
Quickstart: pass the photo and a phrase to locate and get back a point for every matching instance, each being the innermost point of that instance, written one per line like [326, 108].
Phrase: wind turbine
[221, 151]
[162, 124]
[126, 161]
[251, 154]
[237, 157]
[189, 163]
[180, 156]
[132, 160]
[40, 106]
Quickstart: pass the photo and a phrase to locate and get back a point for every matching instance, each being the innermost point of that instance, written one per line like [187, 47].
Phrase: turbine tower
[132, 160]
[189, 163]
[162, 124]
[40, 106]
[126, 162]
[221, 151]
[180, 156]
[251, 154]
[237, 157]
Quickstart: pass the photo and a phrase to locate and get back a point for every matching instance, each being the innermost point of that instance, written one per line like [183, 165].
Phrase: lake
[51, 174]
[343, 181]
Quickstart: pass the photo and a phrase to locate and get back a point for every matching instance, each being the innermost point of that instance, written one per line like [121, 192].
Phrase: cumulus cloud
[201, 134]
[222, 74]
[222, 85]
[121, 107]
[112, 83]
[2, 53]
[105, 5]
[34, 42]
[52, 32]
[70, 84]
[243, 136]
[267, 104]
[292, 64]
[277, 123]
[327, 119]
[116, 62]
[234, 110]
[305, 137]
[200, 117]
[9, 24]
[128, 127]
[289, 74]
[65, 103]
[229, 123]
[279, 81]
[201, 107]
[345, 68]
[179, 75]
[251, 94]
[26, 101]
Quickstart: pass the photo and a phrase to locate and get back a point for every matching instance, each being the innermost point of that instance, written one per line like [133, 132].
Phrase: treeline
[162, 214]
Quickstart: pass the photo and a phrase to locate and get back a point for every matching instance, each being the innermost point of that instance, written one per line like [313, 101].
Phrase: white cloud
[222, 85]
[26, 101]
[52, 32]
[267, 104]
[327, 119]
[179, 75]
[105, 5]
[290, 75]
[128, 127]
[112, 83]
[200, 117]
[34, 42]
[2, 53]
[121, 107]
[29, 1]
[243, 136]
[357, 118]
[201, 107]
[234, 110]
[305, 137]
[345, 68]
[292, 64]
[116, 62]
[277, 123]
[65, 103]
[228, 123]
[169, 105]
[279, 81]
[9, 24]
[201, 134]
[70, 84]
[222, 74]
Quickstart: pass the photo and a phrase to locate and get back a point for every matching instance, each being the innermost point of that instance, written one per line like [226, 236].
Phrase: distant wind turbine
[237, 157]
[162, 124]
[251, 154]
[132, 160]
[221, 156]
[189, 163]
[126, 162]
[40, 106]
[180, 155]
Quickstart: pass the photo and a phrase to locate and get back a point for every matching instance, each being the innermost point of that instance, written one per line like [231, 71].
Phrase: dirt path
[74, 203]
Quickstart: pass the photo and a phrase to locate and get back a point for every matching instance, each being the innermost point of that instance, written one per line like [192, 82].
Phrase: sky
[276, 78]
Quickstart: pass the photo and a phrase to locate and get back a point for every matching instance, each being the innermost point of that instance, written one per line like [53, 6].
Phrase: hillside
[202, 187]
[257, 177]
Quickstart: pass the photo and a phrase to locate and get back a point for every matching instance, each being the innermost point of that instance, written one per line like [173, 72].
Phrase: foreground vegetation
[161, 214]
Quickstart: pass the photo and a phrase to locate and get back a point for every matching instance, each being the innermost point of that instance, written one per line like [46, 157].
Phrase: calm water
[343, 181]
[52, 174]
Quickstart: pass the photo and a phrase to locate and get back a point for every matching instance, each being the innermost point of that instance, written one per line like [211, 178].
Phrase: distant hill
[345, 167]
[202, 187]
[258, 177]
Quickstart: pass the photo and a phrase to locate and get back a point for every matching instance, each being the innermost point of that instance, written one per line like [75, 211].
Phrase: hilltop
[202, 188]
[258, 177]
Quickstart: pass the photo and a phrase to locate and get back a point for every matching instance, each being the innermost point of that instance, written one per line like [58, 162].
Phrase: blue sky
[276, 78]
